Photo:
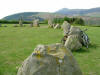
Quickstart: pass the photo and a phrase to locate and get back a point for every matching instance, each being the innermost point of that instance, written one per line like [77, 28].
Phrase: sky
[9, 7]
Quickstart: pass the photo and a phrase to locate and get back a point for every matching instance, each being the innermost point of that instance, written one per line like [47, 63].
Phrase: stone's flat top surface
[56, 50]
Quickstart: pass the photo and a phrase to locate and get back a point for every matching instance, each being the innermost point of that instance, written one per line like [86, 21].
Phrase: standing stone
[75, 39]
[75, 30]
[36, 23]
[83, 37]
[66, 27]
[52, 59]
[21, 22]
[72, 43]
[50, 23]
[57, 26]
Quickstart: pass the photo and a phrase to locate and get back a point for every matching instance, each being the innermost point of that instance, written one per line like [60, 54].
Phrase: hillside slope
[29, 16]
[80, 12]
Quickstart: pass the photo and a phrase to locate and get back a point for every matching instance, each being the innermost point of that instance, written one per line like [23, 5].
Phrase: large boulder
[73, 43]
[82, 36]
[66, 27]
[74, 37]
[75, 31]
[50, 60]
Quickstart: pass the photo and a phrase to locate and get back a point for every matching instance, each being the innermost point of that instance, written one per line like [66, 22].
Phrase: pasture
[17, 43]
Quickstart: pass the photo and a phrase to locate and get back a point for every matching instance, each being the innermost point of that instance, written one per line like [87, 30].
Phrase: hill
[90, 16]
[94, 12]
[29, 16]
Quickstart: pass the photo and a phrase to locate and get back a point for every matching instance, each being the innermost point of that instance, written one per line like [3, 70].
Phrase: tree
[79, 21]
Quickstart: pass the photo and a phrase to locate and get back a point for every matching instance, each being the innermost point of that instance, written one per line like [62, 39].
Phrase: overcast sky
[8, 7]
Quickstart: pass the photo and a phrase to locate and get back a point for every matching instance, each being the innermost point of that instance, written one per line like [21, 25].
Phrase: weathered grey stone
[73, 43]
[82, 36]
[50, 23]
[75, 30]
[66, 27]
[75, 39]
[21, 21]
[57, 26]
[50, 60]
[36, 23]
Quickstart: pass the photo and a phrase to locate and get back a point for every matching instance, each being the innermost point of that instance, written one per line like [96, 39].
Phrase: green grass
[17, 43]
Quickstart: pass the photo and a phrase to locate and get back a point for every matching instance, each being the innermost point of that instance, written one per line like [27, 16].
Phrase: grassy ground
[16, 43]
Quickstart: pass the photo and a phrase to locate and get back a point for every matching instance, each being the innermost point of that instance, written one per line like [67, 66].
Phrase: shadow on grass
[84, 49]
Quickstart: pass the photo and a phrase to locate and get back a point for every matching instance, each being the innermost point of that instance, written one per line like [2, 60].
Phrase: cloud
[8, 7]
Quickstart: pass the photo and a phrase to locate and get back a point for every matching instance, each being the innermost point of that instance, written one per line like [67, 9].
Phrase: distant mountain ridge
[90, 16]
[29, 16]
[26, 16]
[79, 12]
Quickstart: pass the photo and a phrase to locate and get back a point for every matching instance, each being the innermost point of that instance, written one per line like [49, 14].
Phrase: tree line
[74, 21]
[13, 22]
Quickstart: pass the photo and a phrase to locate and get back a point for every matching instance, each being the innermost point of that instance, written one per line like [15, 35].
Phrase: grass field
[17, 43]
